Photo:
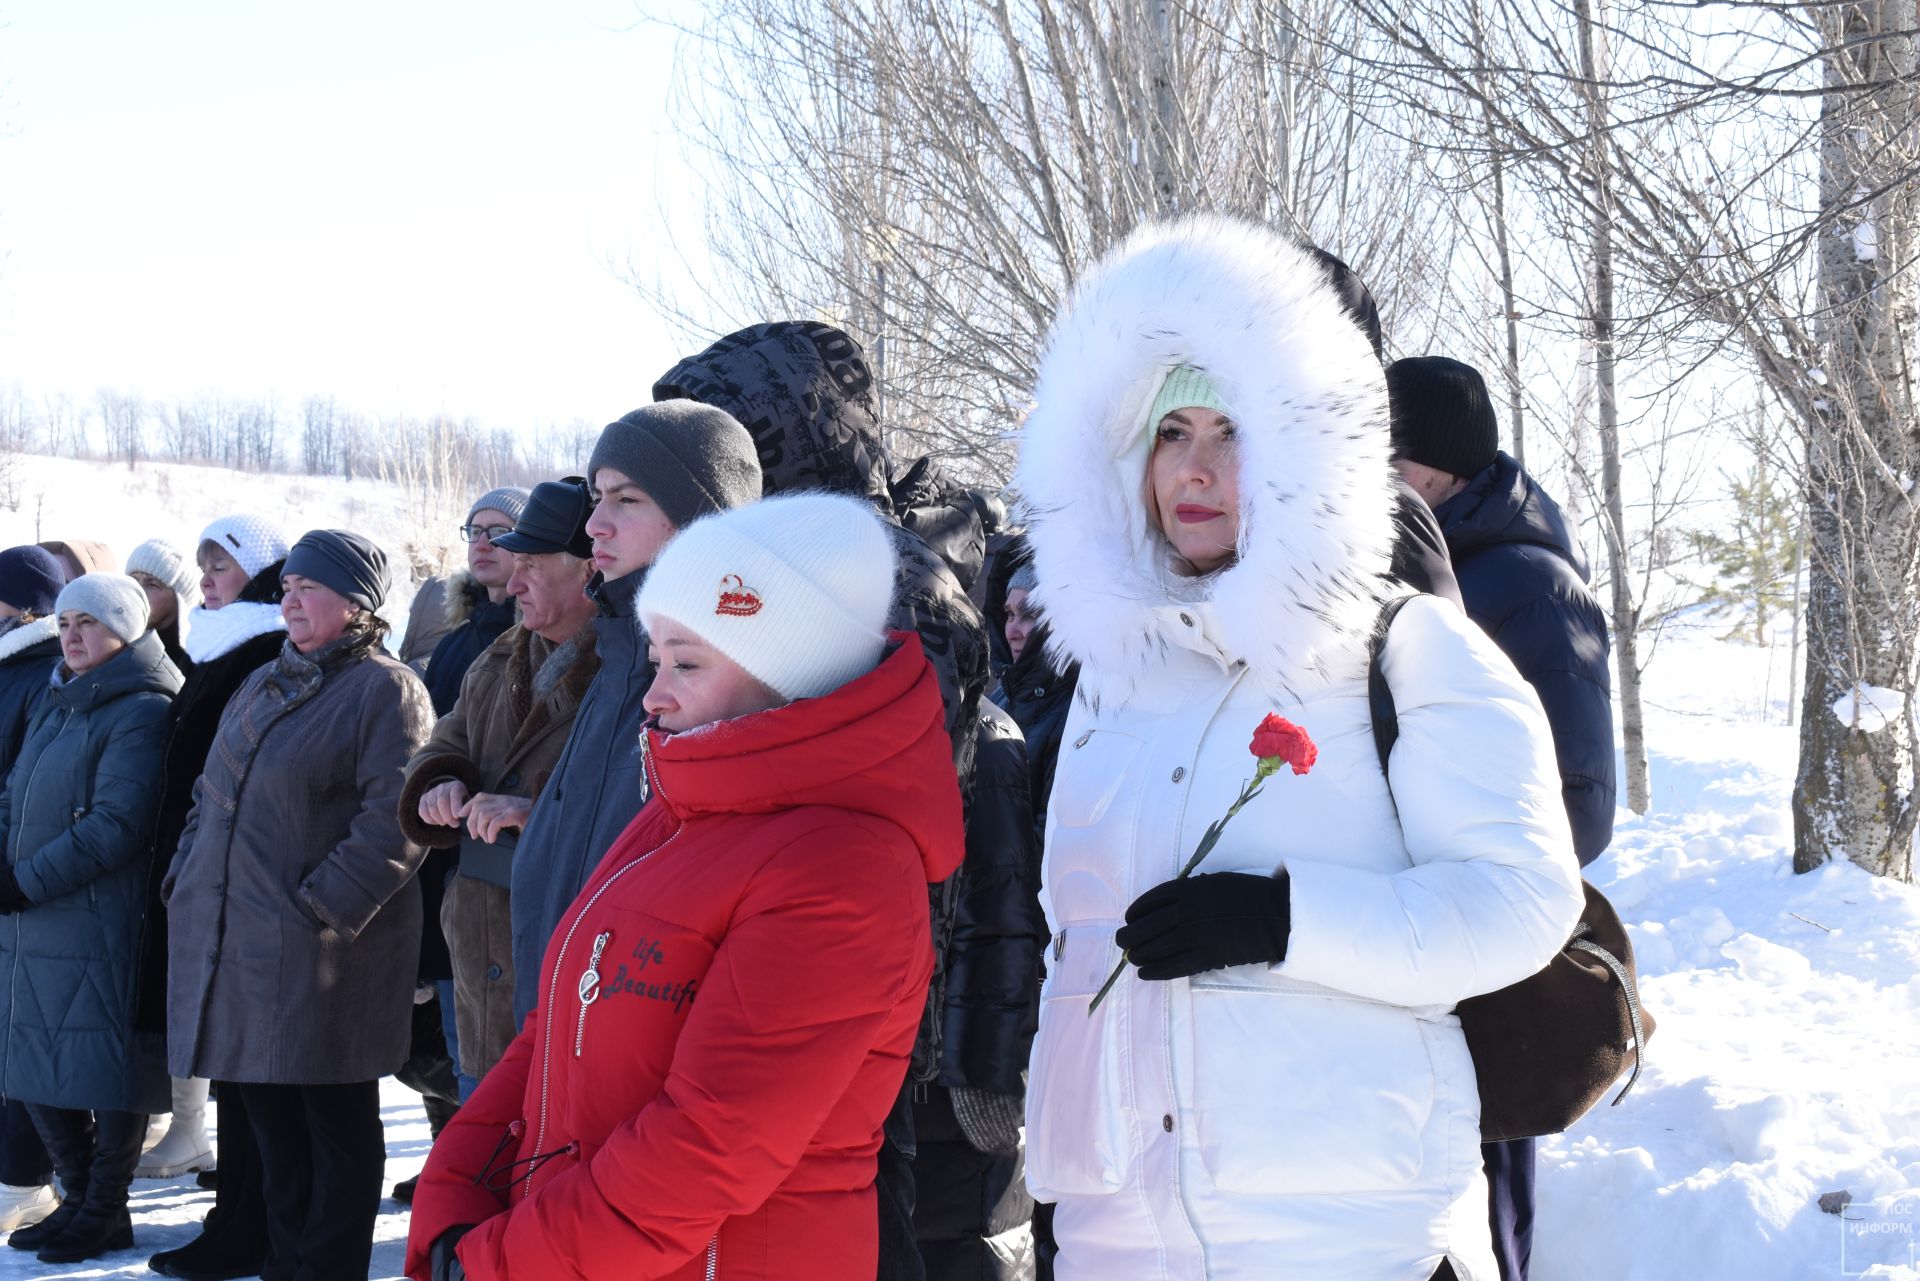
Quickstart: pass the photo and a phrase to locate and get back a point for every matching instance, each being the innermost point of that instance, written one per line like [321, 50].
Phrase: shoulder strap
[1386, 719]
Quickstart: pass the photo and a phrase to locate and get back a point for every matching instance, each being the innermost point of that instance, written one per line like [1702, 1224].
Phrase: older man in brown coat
[473, 784]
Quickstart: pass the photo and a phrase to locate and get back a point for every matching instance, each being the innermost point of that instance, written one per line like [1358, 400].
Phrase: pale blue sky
[411, 204]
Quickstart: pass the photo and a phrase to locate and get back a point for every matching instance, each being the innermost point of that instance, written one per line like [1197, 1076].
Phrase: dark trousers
[23, 1157]
[233, 1237]
[963, 1196]
[893, 1185]
[323, 1157]
[1510, 1204]
[1045, 1248]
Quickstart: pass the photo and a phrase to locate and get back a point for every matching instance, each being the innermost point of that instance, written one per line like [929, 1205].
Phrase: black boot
[233, 1240]
[69, 1138]
[103, 1223]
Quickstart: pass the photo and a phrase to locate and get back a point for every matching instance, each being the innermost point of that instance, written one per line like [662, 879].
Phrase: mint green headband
[1185, 388]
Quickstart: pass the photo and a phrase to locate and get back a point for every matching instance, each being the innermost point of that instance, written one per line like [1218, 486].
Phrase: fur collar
[27, 635]
[1316, 524]
[216, 633]
[457, 605]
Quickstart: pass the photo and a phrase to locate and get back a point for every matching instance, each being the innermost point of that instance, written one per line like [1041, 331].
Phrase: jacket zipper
[590, 988]
[553, 991]
[713, 1257]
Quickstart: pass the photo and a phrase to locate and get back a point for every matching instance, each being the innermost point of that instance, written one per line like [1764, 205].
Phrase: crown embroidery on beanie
[737, 599]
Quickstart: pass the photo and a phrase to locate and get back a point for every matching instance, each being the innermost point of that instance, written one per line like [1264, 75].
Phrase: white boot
[24, 1207]
[185, 1147]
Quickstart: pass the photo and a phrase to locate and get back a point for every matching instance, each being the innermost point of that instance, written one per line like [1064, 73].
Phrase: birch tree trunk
[1854, 797]
[1626, 630]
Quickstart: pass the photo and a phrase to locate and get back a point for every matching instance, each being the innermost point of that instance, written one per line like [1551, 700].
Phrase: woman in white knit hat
[234, 629]
[803, 797]
[173, 589]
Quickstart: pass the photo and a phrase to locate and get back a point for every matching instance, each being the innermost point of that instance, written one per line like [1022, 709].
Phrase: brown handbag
[1548, 1047]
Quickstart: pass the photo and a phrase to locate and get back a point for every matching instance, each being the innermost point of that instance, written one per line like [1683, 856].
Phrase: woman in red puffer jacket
[728, 1008]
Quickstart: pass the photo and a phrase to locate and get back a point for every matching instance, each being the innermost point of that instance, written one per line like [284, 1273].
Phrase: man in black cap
[1525, 582]
[470, 789]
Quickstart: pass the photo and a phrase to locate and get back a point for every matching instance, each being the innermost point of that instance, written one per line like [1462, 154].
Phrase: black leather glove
[12, 898]
[1207, 922]
[443, 1260]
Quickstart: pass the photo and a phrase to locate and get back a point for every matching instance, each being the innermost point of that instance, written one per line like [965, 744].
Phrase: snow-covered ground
[69, 499]
[167, 1214]
[1787, 1062]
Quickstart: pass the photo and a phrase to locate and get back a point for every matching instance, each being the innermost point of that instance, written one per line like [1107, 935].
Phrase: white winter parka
[1318, 1118]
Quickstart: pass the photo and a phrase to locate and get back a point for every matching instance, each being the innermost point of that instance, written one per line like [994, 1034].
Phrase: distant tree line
[319, 437]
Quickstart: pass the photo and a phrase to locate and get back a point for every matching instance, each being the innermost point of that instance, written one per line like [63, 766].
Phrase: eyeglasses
[474, 533]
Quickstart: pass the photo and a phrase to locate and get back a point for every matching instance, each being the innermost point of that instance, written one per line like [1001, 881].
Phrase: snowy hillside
[1787, 1062]
[69, 499]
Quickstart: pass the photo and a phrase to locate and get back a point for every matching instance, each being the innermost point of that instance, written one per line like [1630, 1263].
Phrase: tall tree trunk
[1509, 307]
[1854, 797]
[1165, 137]
[1794, 646]
[1626, 614]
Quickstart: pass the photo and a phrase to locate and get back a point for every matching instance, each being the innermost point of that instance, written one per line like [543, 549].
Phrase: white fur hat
[795, 589]
[165, 562]
[116, 600]
[254, 542]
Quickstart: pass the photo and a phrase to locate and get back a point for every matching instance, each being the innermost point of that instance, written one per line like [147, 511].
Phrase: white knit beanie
[253, 542]
[795, 589]
[165, 562]
[116, 600]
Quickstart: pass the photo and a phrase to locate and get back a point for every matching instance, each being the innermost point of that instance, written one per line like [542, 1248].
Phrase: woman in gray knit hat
[76, 824]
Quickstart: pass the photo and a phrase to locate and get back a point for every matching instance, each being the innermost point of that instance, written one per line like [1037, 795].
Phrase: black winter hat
[555, 520]
[31, 579]
[344, 561]
[1442, 416]
[692, 459]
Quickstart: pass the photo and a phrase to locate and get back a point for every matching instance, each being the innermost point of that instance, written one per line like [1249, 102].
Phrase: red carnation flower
[1278, 741]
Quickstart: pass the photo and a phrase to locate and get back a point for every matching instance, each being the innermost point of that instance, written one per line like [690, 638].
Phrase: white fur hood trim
[1309, 398]
[217, 632]
[27, 635]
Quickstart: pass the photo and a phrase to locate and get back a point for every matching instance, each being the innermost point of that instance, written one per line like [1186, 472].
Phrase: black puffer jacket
[950, 518]
[1420, 558]
[1525, 583]
[1032, 688]
[804, 392]
[992, 960]
[227, 646]
[28, 654]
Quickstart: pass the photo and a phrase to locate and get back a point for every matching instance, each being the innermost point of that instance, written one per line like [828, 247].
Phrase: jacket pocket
[1080, 1140]
[1092, 771]
[1306, 1094]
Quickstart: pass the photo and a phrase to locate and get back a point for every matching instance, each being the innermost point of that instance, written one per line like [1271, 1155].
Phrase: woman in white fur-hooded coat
[1313, 1113]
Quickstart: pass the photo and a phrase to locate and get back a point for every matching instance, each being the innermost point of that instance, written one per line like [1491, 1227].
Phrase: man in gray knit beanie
[653, 473]
[691, 459]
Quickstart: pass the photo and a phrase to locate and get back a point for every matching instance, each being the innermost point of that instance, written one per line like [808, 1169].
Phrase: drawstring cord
[503, 1179]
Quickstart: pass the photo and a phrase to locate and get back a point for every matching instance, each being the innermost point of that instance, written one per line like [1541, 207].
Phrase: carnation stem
[1248, 791]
